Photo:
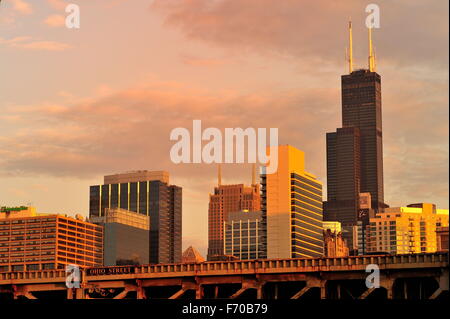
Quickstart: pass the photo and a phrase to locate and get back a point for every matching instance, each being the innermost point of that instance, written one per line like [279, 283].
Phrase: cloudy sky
[76, 104]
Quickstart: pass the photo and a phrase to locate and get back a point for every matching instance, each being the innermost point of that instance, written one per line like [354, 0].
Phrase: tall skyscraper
[228, 199]
[150, 194]
[355, 151]
[292, 208]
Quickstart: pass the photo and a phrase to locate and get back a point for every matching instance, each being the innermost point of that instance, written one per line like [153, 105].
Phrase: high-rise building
[36, 241]
[406, 230]
[150, 194]
[292, 207]
[228, 199]
[245, 235]
[343, 175]
[126, 237]
[355, 151]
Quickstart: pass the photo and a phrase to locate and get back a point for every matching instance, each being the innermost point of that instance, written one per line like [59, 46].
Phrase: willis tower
[355, 151]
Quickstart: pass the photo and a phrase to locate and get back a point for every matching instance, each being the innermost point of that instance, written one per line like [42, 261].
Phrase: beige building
[292, 203]
[406, 230]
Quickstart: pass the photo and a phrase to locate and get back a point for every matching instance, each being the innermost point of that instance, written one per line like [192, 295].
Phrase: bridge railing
[47, 275]
[250, 266]
[310, 263]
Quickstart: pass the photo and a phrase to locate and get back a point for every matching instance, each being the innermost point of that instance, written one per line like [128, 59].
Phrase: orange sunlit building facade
[292, 206]
[31, 241]
[407, 230]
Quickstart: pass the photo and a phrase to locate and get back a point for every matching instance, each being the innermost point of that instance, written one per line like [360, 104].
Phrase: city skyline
[50, 147]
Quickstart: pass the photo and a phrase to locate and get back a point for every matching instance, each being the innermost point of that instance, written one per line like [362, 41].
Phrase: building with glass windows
[292, 207]
[32, 241]
[355, 152]
[244, 235]
[442, 238]
[228, 199]
[126, 237]
[406, 230]
[150, 194]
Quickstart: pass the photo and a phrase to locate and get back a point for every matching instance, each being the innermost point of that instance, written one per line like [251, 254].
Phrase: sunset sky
[77, 104]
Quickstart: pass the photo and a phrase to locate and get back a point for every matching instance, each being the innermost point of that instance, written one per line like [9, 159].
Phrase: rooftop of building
[191, 255]
[123, 217]
[25, 212]
[137, 176]
[417, 208]
[244, 215]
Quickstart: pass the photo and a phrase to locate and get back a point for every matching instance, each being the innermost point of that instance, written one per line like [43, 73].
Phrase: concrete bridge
[417, 276]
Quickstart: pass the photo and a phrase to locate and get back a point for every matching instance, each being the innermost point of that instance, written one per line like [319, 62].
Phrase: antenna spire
[219, 175]
[350, 47]
[371, 54]
[253, 174]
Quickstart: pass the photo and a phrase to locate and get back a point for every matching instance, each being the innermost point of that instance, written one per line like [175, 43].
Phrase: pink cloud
[55, 20]
[124, 128]
[202, 62]
[314, 29]
[27, 43]
[22, 7]
[57, 4]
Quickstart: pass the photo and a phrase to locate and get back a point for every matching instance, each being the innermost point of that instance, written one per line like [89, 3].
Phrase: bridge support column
[313, 281]
[237, 293]
[80, 293]
[443, 284]
[123, 294]
[22, 291]
[69, 295]
[140, 291]
[323, 289]
[178, 294]
[250, 284]
[405, 290]
[185, 287]
[301, 292]
[199, 293]
[366, 293]
[216, 292]
[388, 283]
[259, 292]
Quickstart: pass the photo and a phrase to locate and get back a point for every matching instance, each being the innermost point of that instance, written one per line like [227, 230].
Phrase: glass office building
[126, 237]
[244, 235]
[149, 194]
